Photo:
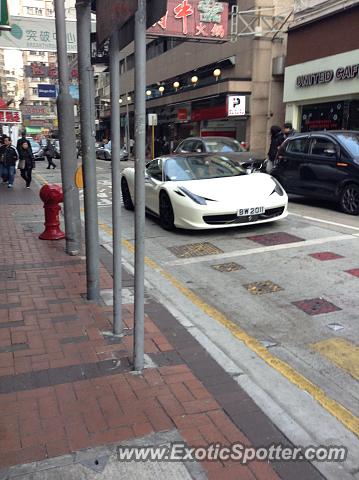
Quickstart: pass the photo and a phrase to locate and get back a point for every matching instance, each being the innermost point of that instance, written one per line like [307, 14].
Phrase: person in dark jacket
[277, 138]
[288, 130]
[49, 152]
[8, 161]
[21, 140]
[26, 162]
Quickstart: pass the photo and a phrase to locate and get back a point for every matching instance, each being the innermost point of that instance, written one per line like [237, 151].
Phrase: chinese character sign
[10, 116]
[195, 19]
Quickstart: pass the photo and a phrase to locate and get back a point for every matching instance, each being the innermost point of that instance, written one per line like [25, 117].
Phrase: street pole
[127, 129]
[116, 180]
[140, 142]
[65, 108]
[153, 141]
[88, 134]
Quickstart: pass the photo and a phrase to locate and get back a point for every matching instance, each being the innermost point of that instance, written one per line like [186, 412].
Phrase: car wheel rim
[351, 199]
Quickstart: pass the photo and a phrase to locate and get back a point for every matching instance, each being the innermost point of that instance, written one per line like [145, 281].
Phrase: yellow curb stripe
[350, 421]
[341, 352]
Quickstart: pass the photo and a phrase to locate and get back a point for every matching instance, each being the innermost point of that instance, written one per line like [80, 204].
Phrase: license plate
[242, 212]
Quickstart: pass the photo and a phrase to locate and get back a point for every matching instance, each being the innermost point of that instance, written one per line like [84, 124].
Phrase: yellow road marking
[341, 352]
[344, 416]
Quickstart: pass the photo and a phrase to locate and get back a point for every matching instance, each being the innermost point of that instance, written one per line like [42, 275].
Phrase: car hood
[251, 188]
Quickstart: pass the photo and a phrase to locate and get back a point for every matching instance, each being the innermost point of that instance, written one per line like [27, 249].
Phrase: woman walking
[26, 162]
[49, 152]
[277, 138]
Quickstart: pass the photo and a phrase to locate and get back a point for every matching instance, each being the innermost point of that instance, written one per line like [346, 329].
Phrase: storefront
[321, 91]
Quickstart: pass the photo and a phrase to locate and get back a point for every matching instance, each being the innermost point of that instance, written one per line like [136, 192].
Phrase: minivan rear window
[297, 145]
[350, 142]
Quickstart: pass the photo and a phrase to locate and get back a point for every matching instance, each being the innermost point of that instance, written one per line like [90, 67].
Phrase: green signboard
[4, 15]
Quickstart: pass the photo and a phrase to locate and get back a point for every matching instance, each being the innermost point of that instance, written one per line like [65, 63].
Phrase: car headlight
[278, 187]
[193, 196]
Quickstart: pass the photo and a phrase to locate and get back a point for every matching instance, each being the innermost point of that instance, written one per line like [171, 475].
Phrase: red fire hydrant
[52, 195]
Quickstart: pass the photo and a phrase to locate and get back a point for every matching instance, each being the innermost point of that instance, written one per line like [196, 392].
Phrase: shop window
[299, 145]
[322, 147]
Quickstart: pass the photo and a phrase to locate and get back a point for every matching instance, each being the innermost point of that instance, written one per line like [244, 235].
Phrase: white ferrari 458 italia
[201, 191]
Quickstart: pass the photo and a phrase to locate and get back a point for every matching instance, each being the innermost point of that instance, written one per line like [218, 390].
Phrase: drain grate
[227, 267]
[325, 256]
[195, 250]
[258, 288]
[316, 306]
[276, 238]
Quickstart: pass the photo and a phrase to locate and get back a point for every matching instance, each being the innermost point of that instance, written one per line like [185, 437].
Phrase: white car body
[228, 195]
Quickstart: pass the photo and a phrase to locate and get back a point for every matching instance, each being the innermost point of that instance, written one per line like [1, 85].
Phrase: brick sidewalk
[64, 386]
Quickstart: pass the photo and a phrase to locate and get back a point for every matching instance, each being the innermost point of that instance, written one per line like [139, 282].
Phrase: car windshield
[223, 145]
[350, 142]
[200, 168]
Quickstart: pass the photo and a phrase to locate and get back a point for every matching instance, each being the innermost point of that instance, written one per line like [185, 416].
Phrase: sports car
[201, 191]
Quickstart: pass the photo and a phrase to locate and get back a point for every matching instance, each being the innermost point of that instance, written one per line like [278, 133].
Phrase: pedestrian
[277, 138]
[9, 157]
[49, 152]
[132, 146]
[2, 149]
[288, 130]
[26, 162]
[22, 139]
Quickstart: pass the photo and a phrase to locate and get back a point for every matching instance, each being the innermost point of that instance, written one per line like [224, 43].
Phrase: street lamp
[161, 89]
[194, 80]
[148, 93]
[120, 100]
[129, 98]
[176, 85]
[217, 73]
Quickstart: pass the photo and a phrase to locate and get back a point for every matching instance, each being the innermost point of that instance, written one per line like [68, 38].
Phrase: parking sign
[236, 105]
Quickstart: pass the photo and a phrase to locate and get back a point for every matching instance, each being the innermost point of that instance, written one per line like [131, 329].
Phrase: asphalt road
[294, 289]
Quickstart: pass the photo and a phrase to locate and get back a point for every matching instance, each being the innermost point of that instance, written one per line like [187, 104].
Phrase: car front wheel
[349, 199]
[126, 195]
[167, 218]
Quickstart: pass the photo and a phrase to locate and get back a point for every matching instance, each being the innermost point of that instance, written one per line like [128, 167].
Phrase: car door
[290, 158]
[320, 173]
[153, 184]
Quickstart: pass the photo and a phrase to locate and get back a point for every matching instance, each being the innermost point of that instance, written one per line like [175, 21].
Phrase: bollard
[52, 195]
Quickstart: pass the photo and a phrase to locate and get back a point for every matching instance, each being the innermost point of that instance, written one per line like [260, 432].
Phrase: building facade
[321, 88]
[250, 67]
[3, 87]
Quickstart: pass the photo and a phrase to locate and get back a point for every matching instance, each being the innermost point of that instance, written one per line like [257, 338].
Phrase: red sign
[182, 114]
[10, 116]
[196, 19]
[209, 113]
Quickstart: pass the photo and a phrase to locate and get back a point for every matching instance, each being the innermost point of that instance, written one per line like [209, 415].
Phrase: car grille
[233, 218]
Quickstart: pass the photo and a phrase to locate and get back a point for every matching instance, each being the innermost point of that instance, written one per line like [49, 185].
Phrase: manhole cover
[258, 288]
[195, 250]
[227, 267]
[325, 256]
[277, 238]
[316, 306]
[354, 271]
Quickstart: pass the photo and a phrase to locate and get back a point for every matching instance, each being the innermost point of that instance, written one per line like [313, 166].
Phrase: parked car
[104, 153]
[323, 165]
[200, 191]
[230, 147]
[37, 150]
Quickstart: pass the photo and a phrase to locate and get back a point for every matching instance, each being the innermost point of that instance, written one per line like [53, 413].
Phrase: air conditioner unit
[278, 66]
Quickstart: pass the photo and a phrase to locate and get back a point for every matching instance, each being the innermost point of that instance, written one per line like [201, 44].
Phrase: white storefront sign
[329, 77]
[236, 105]
[38, 34]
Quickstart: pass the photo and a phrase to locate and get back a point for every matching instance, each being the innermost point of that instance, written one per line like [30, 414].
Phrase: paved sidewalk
[65, 386]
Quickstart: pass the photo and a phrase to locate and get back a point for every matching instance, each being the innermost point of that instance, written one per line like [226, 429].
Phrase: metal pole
[65, 108]
[88, 135]
[116, 180]
[127, 129]
[140, 142]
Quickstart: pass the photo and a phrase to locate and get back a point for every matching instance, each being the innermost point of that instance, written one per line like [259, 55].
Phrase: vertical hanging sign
[4, 16]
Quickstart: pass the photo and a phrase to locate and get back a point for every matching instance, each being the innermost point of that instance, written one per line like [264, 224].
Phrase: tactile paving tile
[316, 306]
[325, 256]
[276, 238]
[258, 288]
[227, 267]
[354, 271]
[195, 250]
